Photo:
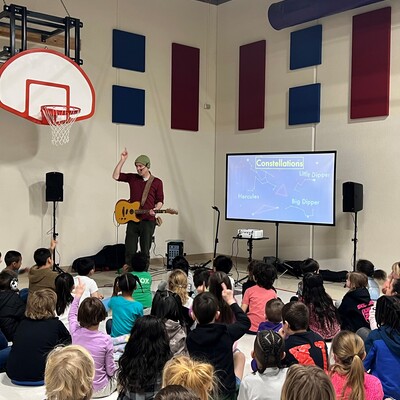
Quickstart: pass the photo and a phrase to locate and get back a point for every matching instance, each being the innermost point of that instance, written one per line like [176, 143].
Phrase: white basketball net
[60, 119]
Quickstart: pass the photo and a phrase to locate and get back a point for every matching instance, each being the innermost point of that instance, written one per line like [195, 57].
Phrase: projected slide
[277, 187]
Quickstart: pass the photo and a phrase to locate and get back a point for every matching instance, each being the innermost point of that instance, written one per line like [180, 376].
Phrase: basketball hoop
[60, 119]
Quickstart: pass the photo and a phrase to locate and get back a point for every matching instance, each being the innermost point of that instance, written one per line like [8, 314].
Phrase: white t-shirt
[90, 286]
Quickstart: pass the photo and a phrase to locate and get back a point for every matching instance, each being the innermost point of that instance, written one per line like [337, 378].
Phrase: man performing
[148, 191]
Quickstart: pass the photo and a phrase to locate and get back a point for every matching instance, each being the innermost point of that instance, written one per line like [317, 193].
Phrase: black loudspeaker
[173, 249]
[352, 197]
[54, 186]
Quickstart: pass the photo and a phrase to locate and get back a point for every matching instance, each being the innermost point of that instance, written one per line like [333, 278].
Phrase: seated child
[35, 337]
[13, 261]
[213, 342]
[125, 309]
[180, 262]
[356, 304]
[85, 268]
[367, 268]
[324, 316]
[383, 346]
[309, 265]
[224, 264]
[41, 275]
[69, 374]
[64, 286]
[250, 276]
[84, 320]
[307, 382]
[302, 346]
[347, 373]
[256, 297]
[139, 268]
[176, 392]
[177, 283]
[168, 307]
[226, 315]
[195, 375]
[12, 307]
[395, 274]
[142, 363]
[268, 353]
[273, 316]
[201, 277]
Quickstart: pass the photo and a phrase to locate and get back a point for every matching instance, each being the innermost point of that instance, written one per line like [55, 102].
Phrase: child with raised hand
[35, 337]
[347, 373]
[256, 297]
[268, 353]
[64, 286]
[307, 382]
[324, 317]
[224, 264]
[125, 309]
[356, 304]
[69, 374]
[85, 267]
[213, 342]
[195, 375]
[168, 307]
[84, 320]
[141, 364]
[226, 315]
[383, 346]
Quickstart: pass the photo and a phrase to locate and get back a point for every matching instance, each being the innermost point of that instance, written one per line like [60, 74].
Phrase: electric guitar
[126, 211]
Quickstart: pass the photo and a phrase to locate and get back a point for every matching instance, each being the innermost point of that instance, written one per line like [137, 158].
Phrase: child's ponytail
[126, 283]
[349, 351]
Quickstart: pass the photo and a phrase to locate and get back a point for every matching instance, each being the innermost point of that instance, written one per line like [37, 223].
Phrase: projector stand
[355, 240]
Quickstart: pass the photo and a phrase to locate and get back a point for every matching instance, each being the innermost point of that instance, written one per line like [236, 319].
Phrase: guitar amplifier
[174, 248]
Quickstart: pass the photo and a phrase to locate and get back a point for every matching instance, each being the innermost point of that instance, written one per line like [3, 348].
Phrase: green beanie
[142, 159]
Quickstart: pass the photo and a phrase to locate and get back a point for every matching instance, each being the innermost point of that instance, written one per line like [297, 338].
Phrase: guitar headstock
[171, 211]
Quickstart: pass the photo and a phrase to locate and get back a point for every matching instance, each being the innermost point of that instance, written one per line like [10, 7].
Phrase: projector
[250, 233]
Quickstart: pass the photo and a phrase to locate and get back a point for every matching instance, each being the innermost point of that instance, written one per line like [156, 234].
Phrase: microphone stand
[216, 236]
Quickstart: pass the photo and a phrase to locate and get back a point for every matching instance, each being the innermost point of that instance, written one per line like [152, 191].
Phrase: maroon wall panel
[252, 85]
[185, 87]
[370, 69]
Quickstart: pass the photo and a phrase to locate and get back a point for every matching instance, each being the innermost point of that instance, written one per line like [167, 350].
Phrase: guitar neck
[147, 211]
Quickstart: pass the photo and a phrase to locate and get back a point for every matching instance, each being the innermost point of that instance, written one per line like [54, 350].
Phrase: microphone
[215, 208]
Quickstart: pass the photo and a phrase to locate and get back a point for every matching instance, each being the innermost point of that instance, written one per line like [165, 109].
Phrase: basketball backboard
[38, 77]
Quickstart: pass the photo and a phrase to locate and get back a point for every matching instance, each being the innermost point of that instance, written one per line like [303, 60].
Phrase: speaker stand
[355, 240]
[56, 268]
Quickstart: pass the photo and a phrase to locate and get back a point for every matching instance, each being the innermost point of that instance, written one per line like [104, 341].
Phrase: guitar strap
[146, 193]
[146, 190]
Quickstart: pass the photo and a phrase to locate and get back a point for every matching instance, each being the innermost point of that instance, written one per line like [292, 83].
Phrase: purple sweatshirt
[97, 343]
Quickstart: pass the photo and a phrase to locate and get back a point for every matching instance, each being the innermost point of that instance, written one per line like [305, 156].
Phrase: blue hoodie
[383, 359]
